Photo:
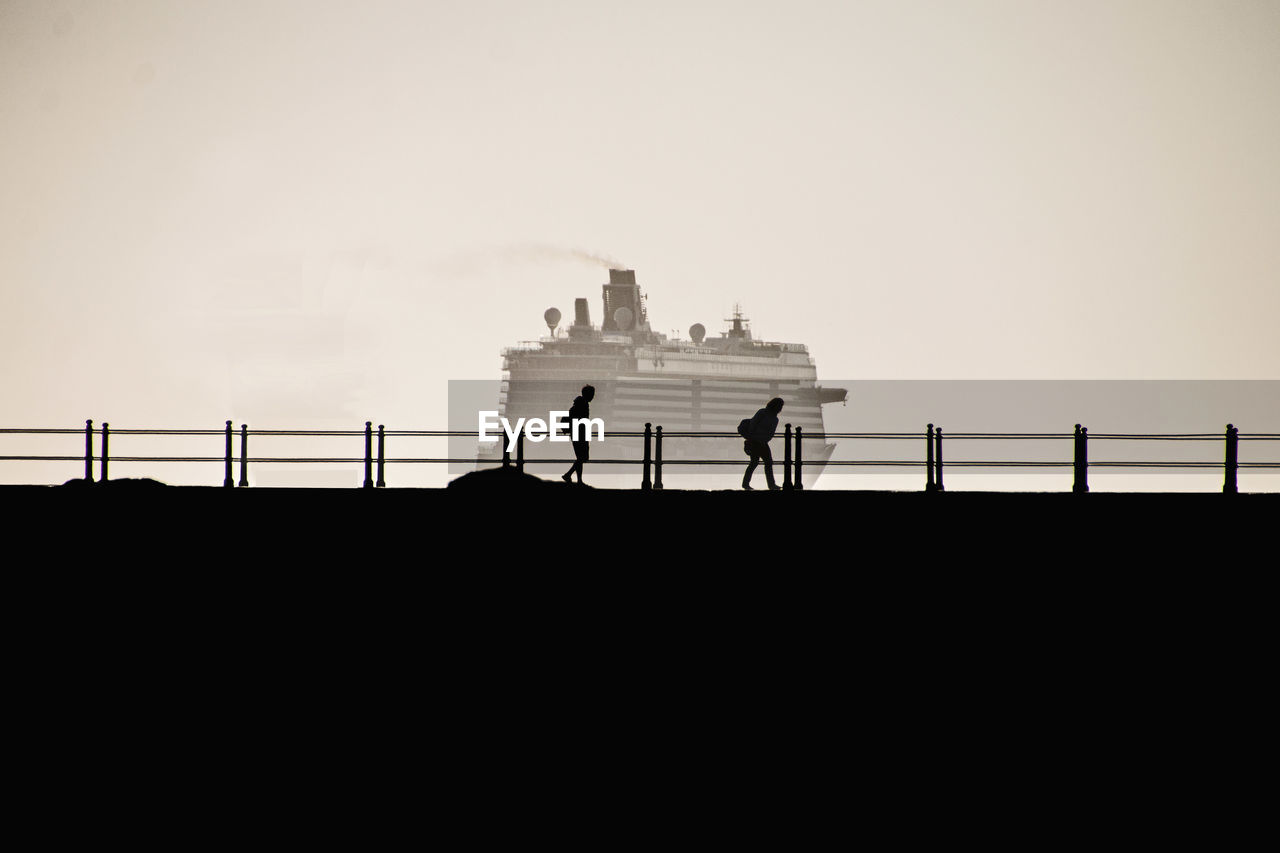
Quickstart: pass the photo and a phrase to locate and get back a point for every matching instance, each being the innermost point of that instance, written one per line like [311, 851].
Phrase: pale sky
[312, 213]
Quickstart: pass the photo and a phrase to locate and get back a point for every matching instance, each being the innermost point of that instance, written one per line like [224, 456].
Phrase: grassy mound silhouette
[505, 480]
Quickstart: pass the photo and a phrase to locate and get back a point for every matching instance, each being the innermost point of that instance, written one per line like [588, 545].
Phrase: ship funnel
[581, 312]
[621, 293]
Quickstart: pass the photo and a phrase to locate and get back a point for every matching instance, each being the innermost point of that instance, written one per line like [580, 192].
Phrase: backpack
[744, 427]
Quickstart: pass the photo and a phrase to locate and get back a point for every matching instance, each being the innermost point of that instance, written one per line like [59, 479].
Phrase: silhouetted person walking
[758, 432]
[579, 410]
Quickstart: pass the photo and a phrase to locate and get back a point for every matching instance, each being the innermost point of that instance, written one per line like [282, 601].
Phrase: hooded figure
[762, 427]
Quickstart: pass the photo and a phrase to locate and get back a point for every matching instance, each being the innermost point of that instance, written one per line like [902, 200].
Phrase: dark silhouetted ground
[1005, 650]
[533, 524]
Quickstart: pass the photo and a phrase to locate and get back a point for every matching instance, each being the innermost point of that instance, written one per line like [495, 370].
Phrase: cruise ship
[703, 384]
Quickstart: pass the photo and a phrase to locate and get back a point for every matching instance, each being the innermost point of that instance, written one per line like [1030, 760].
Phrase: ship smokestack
[581, 313]
[623, 292]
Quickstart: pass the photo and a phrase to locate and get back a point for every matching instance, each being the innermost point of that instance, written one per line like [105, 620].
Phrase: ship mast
[739, 329]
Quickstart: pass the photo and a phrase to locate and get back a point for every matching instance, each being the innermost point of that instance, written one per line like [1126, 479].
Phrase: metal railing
[651, 458]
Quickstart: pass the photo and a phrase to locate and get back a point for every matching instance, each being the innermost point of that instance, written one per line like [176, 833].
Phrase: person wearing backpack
[757, 431]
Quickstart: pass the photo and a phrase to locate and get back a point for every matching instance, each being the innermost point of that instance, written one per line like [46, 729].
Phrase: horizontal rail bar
[115, 458]
[1260, 436]
[466, 460]
[79, 431]
[1156, 437]
[897, 436]
[115, 432]
[1153, 464]
[1028, 435]
[560, 461]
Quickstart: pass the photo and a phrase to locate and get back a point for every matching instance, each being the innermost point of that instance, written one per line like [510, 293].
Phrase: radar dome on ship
[697, 332]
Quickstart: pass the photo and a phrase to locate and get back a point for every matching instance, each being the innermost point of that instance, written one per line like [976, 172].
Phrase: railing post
[1084, 457]
[520, 452]
[382, 457]
[929, 485]
[799, 460]
[1081, 484]
[1231, 462]
[368, 454]
[244, 456]
[786, 461]
[88, 451]
[102, 470]
[657, 459]
[228, 482]
[937, 457]
[1075, 460]
[645, 483]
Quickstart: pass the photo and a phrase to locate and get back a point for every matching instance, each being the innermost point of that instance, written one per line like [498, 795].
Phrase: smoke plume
[471, 263]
